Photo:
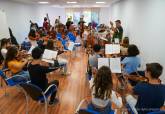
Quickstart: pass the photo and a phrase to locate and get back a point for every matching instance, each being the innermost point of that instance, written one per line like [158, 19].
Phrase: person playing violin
[46, 24]
[151, 95]
[38, 70]
[15, 63]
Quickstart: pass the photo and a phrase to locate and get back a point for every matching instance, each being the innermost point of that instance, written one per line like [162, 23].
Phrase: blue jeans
[22, 76]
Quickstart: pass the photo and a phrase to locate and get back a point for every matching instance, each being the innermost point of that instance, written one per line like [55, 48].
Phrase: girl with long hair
[102, 92]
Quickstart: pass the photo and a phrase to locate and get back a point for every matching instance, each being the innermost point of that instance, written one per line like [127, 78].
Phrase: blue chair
[129, 109]
[37, 94]
[71, 37]
[87, 110]
[59, 36]
[12, 80]
[26, 45]
[64, 42]
[157, 112]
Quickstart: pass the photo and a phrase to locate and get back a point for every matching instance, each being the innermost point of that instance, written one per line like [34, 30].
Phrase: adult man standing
[118, 31]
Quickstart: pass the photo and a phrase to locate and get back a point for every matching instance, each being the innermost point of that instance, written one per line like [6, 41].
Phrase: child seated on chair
[5, 44]
[16, 64]
[151, 95]
[93, 59]
[38, 70]
[62, 62]
[102, 93]
[132, 62]
[124, 47]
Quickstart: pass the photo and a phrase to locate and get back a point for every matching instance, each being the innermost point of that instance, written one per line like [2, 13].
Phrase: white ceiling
[63, 3]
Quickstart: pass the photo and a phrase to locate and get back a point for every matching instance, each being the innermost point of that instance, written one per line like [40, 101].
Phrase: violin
[138, 78]
[22, 55]
[52, 33]
[90, 40]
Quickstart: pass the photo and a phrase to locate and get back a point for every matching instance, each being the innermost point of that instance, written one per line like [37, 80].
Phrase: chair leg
[46, 107]
[46, 104]
[1, 83]
[27, 102]
[6, 94]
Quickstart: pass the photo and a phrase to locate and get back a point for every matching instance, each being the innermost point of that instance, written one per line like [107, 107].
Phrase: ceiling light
[43, 2]
[100, 2]
[71, 2]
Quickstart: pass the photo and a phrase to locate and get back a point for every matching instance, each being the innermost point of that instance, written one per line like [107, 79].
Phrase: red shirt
[46, 25]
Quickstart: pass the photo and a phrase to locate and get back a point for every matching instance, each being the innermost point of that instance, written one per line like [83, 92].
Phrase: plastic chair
[129, 109]
[86, 110]
[10, 81]
[71, 37]
[37, 94]
[59, 36]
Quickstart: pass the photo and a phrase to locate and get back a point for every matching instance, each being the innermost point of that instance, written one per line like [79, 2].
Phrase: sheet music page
[49, 54]
[117, 41]
[71, 46]
[108, 49]
[116, 48]
[30, 50]
[103, 62]
[48, 61]
[115, 65]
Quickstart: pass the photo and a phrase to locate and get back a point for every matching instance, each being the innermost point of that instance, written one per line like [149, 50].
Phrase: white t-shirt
[3, 52]
[104, 102]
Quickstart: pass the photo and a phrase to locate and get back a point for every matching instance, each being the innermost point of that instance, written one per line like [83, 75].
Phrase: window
[89, 14]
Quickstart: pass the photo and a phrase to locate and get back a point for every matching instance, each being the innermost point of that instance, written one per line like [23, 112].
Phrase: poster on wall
[4, 31]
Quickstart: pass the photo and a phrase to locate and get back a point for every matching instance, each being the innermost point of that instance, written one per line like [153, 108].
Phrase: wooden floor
[72, 90]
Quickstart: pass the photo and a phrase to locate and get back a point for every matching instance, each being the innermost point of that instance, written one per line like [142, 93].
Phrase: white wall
[143, 22]
[104, 15]
[18, 16]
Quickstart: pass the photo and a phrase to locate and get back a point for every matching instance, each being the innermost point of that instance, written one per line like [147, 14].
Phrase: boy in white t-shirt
[5, 43]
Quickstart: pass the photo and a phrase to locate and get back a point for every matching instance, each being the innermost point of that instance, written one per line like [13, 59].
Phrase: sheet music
[71, 46]
[108, 49]
[103, 62]
[117, 41]
[49, 54]
[115, 65]
[112, 48]
[30, 50]
[48, 61]
[116, 48]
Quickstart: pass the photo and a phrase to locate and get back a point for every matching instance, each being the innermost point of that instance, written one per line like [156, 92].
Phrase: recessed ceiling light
[43, 2]
[100, 2]
[74, 2]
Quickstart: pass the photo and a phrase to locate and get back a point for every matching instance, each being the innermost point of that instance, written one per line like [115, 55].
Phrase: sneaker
[55, 101]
